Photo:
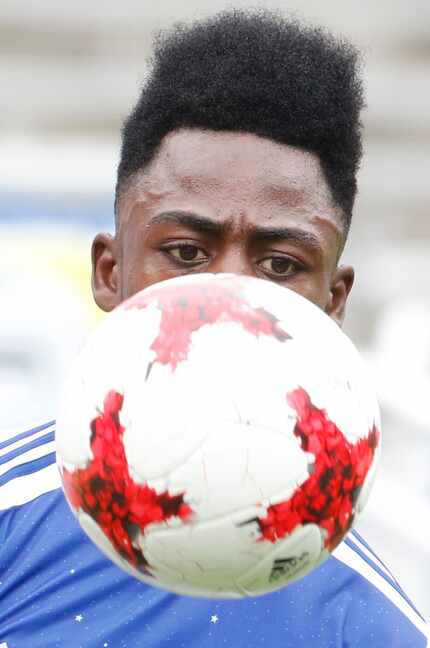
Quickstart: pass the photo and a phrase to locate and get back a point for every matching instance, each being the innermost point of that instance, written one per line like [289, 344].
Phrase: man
[240, 156]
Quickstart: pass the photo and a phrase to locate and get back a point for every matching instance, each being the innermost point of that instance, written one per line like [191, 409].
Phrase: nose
[233, 260]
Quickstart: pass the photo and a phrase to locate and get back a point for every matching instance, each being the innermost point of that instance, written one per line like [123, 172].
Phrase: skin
[226, 202]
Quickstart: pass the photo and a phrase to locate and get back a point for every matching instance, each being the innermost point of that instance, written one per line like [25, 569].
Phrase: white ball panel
[171, 417]
[290, 559]
[240, 466]
[207, 554]
[101, 367]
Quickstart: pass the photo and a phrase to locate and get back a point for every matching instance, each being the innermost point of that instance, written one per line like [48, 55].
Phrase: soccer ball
[217, 436]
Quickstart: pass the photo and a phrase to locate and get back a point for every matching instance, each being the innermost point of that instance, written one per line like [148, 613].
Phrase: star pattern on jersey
[79, 618]
[214, 619]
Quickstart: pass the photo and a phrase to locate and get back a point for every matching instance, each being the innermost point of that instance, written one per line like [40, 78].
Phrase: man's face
[226, 202]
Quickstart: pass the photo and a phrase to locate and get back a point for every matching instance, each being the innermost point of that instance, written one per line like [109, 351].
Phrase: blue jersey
[57, 589]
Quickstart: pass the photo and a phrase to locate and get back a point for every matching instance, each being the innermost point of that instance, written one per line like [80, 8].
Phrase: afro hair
[257, 72]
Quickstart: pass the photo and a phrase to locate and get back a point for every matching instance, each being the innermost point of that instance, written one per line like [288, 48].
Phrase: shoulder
[27, 464]
[374, 598]
[353, 600]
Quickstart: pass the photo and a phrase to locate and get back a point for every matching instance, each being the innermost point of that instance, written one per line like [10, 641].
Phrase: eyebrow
[257, 233]
[196, 222]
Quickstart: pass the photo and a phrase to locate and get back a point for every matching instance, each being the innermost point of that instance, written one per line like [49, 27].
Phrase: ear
[104, 278]
[340, 287]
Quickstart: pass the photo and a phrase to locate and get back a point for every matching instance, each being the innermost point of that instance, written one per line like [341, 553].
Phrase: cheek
[133, 275]
[314, 287]
[138, 271]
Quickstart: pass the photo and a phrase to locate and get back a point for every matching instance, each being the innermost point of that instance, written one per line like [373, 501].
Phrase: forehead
[208, 155]
[232, 171]
[198, 157]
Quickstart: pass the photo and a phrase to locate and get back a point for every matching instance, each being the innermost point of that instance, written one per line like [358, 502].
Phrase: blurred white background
[69, 74]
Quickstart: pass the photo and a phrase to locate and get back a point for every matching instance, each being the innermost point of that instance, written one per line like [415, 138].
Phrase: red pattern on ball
[105, 490]
[328, 496]
[185, 309]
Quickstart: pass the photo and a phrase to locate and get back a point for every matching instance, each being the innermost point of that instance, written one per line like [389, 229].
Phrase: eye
[186, 253]
[279, 267]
